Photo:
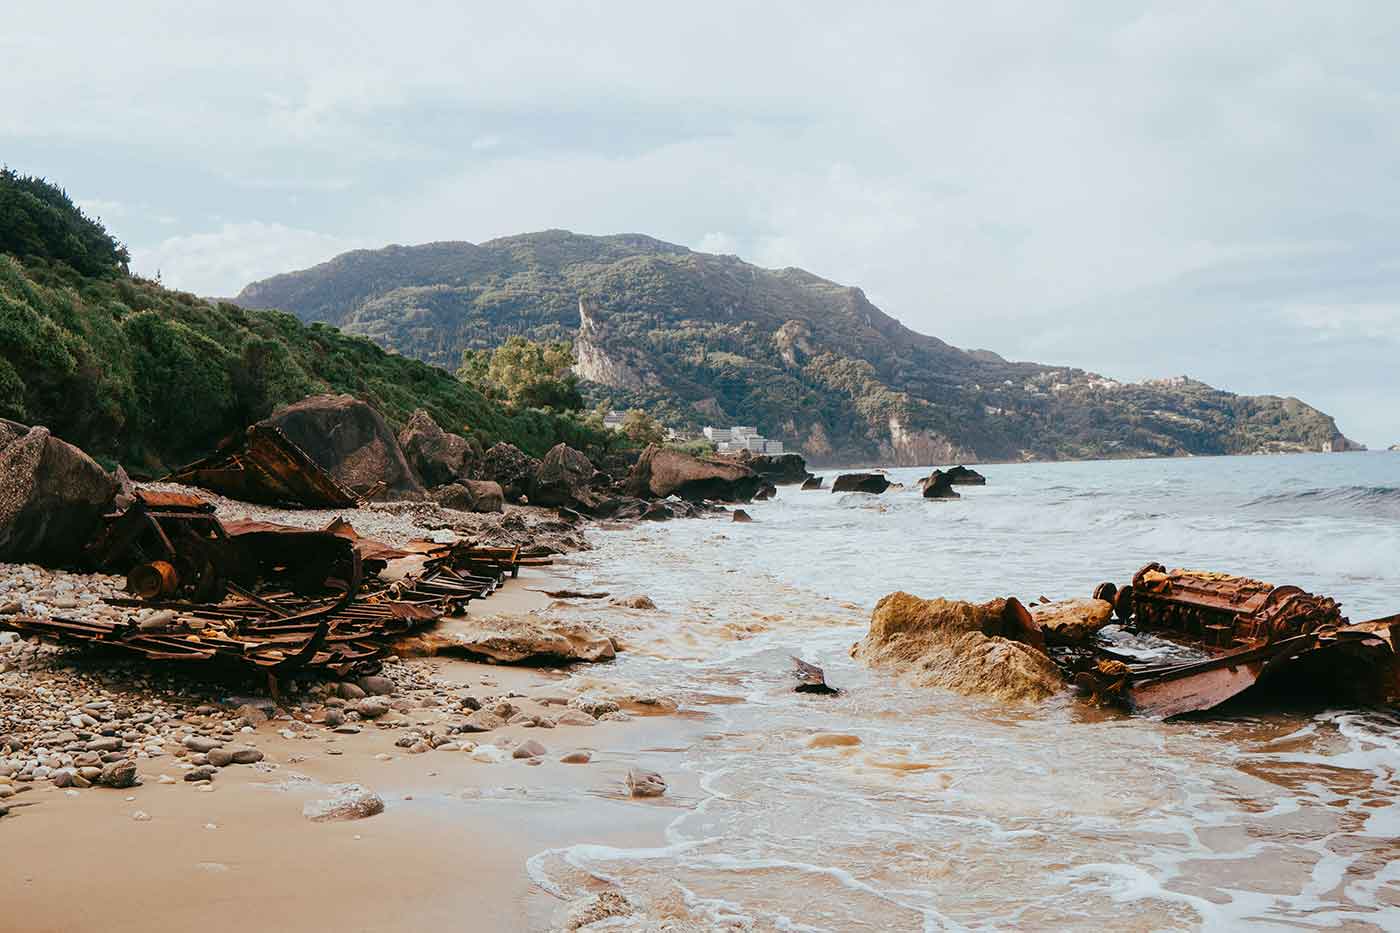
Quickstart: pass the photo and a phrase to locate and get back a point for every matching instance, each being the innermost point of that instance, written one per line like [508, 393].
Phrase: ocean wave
[1360, 500]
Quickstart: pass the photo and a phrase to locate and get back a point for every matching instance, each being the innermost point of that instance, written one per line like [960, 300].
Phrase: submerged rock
[645, 783]
[874, 483]
[962, 476]
[814, 482]
[1071, 621]
[938, 485]
[958, 646]
[350, 802]
[781, 469]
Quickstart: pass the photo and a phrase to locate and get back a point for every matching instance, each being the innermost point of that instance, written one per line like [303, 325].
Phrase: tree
[525, 373]
[641, 428]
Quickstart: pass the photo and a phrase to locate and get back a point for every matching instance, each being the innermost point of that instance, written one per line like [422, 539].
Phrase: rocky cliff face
[595, 362]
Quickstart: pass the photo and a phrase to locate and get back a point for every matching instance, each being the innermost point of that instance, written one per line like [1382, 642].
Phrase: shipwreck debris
[265, 466]
[271, 598]
[1247, 633]
[810, 678]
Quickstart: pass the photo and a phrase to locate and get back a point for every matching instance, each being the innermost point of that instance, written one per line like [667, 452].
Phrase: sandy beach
[450, 848]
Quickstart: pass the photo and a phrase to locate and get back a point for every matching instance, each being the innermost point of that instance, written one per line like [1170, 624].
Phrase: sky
[1137, 189]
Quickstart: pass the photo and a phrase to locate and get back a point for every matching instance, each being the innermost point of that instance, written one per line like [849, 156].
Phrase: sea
[954, 812]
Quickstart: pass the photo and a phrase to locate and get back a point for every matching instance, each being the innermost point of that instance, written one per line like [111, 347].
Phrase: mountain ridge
[701, 338]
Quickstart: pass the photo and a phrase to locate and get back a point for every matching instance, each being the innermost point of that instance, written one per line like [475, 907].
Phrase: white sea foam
[1052, 816]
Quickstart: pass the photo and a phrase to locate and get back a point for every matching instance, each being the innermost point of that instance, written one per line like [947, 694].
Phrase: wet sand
[449, 851]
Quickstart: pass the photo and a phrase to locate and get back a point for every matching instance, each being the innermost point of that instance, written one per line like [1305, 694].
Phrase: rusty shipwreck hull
[1253, 636]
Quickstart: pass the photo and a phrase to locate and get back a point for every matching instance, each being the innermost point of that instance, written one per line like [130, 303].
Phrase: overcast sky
[1137, 189]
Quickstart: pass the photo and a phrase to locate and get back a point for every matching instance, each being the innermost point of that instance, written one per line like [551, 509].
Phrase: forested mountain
[703, 339]
[136, 373]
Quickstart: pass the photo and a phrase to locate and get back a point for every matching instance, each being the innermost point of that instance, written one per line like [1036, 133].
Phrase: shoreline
[460, 821]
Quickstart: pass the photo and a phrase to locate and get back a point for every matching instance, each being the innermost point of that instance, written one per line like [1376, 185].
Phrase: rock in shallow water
[349, 802]
[957, 646]
[1071, 621]
[645, 783]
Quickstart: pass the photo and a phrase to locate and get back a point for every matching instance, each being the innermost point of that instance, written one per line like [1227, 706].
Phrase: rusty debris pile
[1234, 634]
[268, 597]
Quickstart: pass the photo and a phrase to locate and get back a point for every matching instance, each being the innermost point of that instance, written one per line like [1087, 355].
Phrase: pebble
[579, 757]
[140, 816]
[350, 802]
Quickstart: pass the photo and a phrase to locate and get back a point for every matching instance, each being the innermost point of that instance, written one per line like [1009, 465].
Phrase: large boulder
[1071, 621]
[958, 646]
[471, 495]
[350, 441]
[781, 469]
[511, 467]
[437, 457]
[564, 477]
[662, 472]
[861, 482]
[939, 485]
[52, 496]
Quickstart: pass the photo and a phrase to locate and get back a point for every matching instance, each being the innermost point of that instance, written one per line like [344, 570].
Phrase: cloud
[221, 262]
[1139, 189]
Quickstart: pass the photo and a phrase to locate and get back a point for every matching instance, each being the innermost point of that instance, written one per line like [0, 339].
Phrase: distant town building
[613, 420]
[742, 437]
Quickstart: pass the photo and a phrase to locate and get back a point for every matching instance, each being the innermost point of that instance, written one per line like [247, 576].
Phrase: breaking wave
[1361, 500]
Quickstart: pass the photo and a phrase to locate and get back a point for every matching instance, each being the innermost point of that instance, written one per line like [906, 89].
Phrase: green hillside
[700, 339]
[150, 377]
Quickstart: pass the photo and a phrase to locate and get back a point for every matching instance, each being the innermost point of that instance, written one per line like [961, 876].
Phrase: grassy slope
[137, 373]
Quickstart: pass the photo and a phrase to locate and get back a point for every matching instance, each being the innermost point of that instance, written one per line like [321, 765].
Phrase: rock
[564, 478]
[634, 602]
[645, 783]
[1071, 621]
[376, 685]
[349, 802]
[937, 485]
[118, 774]
[741, 516]
[372, 707]
[529, 749]
[251, 714]
[201, 773]
[575, 717]
[583, 912]
[780, 469]
[333, 718]
[350, 441]
[580, 757]
[813, 483]
[765, 492]
[472, 495]
[235, 755]
[962, 476]
[511, 639]
[593, 706]
[511, 468]
[437, 457]
[109, 744]
[657, 512]
[482, 721]
[958, 646]
[199, 743]
[662, 472]
[874, 483]
[52, 496]
[140, 816]
[348, 691]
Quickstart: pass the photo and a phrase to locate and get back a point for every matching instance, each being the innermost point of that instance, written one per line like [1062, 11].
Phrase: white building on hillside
[742, 437]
